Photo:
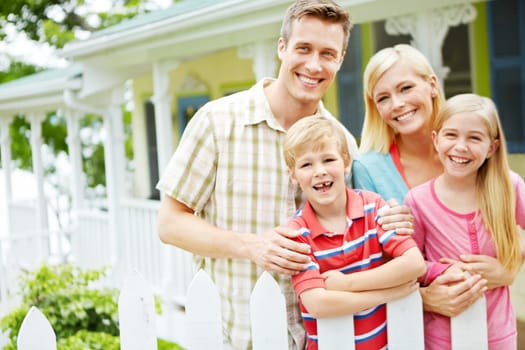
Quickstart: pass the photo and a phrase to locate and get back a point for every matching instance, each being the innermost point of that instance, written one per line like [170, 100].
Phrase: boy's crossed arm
[350, 293]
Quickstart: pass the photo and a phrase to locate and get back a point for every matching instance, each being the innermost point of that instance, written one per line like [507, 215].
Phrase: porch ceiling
[223, 24]
[190, 29]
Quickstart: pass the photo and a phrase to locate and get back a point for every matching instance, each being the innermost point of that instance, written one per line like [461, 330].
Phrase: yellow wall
[221, 73]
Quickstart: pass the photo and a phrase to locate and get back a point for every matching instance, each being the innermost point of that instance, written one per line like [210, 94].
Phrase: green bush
[82, 314]
[67, 297]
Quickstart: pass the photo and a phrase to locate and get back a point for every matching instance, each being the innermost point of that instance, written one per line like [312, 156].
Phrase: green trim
[479, 48]
[146, 96]
[191, 93]
[231, 87]
[367, 44]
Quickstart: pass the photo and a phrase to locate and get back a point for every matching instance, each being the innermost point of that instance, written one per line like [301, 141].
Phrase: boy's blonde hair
[314, 133]
[377, 135]
[494, 188]
[325, 10]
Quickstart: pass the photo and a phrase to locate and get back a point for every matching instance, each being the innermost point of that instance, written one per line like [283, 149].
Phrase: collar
[354, 210]
[261, 107]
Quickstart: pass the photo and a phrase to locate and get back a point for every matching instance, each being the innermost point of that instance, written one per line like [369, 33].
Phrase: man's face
[311, 58]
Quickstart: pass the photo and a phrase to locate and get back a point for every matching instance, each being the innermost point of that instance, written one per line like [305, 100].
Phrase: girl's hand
[488, 267]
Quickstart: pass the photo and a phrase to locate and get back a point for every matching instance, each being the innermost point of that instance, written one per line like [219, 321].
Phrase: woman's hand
[452, 292]
[396, 217]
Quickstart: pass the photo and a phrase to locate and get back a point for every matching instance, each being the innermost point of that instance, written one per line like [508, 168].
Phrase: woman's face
[404, 99]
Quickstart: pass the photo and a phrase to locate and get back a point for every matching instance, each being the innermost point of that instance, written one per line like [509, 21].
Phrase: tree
[57, 22]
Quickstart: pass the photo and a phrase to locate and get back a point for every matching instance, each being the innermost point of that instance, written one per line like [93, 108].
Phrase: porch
[120, 230]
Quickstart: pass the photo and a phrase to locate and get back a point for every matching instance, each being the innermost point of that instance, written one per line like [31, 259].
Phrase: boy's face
[321, 175]
[311, 58]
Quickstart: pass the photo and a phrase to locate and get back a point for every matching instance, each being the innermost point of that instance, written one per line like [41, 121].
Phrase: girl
[473, 207]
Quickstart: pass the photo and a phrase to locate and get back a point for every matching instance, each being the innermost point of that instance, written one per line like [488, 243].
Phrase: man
[227, 188]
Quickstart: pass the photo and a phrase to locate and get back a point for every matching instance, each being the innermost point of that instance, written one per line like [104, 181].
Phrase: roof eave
[208, 15]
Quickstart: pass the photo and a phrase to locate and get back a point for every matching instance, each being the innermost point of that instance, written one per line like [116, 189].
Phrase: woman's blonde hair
[494, 188]
[314, 133]
[377, 135]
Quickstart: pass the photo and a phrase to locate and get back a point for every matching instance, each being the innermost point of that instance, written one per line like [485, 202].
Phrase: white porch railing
[268, 316]
[167, 270]
[91, 240]
[26, 251]
[135, 246]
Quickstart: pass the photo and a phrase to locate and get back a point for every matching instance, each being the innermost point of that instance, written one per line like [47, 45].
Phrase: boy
[347, 273]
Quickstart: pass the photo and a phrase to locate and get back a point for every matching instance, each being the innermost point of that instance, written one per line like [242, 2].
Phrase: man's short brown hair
[325, 10]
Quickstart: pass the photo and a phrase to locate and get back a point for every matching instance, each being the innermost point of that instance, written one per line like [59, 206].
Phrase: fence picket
[136, 308]
[36, 332]
[468, 330]
[268, 315]
[203, 314]
[405, 317]
[336, 333]
[268, 318]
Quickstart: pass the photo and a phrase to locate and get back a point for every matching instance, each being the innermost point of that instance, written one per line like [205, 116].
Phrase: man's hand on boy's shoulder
[276, 251]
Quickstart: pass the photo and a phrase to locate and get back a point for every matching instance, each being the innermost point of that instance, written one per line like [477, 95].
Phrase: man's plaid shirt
[229, 168]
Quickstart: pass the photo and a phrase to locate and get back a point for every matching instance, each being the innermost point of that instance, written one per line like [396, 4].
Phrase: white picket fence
[268, 317]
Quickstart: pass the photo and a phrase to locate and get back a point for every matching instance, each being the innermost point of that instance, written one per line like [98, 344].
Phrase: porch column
[162, 102]
[6, 166]
[38, 169]
[264, 56]
[115, 168]
[75, 157]
[429, 29]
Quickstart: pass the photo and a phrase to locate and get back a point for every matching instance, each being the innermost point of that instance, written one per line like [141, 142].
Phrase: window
[186, 108]
[151, 139]
[506, 27]
[350, 87]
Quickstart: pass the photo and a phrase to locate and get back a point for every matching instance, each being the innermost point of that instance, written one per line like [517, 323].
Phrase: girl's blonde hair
[494, 188]
[377, 135]
[314, 133]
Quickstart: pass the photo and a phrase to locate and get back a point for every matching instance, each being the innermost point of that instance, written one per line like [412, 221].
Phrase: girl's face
[463, 144]
[404, 99]
[321, 175]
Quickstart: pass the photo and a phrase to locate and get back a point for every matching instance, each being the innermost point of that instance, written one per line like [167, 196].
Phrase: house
[176, 59]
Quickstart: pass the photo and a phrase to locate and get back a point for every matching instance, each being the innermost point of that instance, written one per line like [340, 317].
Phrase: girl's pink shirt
[441, 232]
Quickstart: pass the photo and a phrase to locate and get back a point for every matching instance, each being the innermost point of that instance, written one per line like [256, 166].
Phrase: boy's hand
[335, 280]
